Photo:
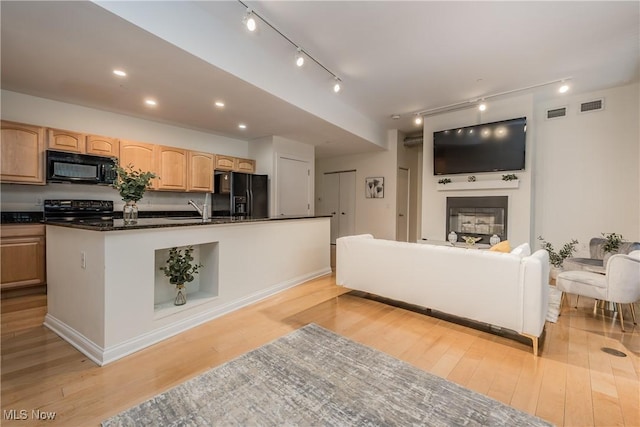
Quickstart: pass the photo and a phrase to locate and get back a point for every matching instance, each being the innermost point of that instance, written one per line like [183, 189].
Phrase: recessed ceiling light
[150, 102]
[563, 88]
[219, 104]
[120, 73]
[242, 126]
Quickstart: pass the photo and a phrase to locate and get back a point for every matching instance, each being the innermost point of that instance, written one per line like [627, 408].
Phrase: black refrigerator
[241, 194]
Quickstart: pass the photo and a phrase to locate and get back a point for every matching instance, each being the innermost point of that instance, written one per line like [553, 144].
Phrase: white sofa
[508, 290]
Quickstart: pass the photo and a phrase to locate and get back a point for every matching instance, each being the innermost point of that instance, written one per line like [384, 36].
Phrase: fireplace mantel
[479, 185]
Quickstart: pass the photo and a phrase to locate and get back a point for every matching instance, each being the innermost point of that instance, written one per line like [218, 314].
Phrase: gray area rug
[553, 310]
[314, 377]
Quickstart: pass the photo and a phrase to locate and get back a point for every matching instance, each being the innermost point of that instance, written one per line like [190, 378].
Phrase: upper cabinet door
[64, 140]
[224, 163]
[140, 155]
[22, 153]
[245, 165]
[172, 168]
[103, 146]
[200, 169]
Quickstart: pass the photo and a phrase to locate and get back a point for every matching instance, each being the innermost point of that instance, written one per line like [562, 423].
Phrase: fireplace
[477, 217]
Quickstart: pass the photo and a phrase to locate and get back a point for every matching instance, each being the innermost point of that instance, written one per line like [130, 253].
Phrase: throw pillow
[503, 246]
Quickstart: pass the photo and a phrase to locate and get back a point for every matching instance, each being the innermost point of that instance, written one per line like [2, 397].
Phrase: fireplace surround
[477, 217]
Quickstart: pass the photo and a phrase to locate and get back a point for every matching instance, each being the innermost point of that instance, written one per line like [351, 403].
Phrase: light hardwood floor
[573, 383]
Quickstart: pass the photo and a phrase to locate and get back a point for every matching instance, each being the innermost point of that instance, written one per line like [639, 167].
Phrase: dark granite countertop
[146, 223]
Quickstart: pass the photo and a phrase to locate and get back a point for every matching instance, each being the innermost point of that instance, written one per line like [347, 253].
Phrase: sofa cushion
[522, 250]
[503, 246]
[585, 283]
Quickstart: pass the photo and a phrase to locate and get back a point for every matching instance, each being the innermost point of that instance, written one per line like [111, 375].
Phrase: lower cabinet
[22, 253]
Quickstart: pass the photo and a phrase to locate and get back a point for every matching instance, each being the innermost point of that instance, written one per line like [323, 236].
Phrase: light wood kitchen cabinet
[171, 166]
[22, 153]
[244, 165]
[65, 140]
[224, 163]
[236, 164]
[140, 155]
[200, 169]
[22, 251]
[103, 146]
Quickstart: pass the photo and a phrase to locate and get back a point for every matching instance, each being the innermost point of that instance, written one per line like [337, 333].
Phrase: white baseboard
[103, 356]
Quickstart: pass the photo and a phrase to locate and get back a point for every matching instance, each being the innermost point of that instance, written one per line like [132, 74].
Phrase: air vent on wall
[556, 113]
[595, 105]
[413, 141]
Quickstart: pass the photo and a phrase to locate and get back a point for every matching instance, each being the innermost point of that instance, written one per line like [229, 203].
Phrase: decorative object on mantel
[611, 245]
[557, 258]
[494, 240]
[131, 184]
[180, 270]
[470, 240]
[510, 177]
[374, 188]
[452, 237]
[444, 181]
[471, 178]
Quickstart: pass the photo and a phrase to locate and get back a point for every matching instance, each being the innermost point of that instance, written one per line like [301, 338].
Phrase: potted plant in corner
[131, 184]
[557, 258]
[180, 270]
[611, 245]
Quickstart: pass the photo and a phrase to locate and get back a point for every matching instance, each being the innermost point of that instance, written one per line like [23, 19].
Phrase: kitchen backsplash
[15, 197]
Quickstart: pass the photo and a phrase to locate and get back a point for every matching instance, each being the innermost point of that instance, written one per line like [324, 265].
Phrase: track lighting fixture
[250, 21]
[336, 85]
[417, 120]
[480, 102]
[299, 58]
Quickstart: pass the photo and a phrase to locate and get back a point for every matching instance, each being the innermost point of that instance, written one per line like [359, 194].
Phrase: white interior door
[294, 189]
[347, 210]
[402, 223]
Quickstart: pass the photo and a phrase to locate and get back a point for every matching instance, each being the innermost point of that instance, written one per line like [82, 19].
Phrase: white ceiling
[393, 58]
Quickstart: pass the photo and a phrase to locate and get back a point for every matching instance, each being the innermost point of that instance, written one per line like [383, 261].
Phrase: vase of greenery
[180, 270]
[611, 245]
[556, 259]
[131, 184]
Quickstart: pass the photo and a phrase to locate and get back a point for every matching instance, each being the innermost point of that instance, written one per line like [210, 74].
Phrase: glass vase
[130, 213]
[181, 295]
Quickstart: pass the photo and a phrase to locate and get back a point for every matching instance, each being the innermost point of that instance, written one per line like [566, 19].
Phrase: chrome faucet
[204, 212]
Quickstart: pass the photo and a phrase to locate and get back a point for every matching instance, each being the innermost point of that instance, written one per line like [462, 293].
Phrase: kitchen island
[108, 297]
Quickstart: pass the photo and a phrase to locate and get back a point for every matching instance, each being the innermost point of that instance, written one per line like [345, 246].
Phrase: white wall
[45, 112]
[520, 221]
[587, 179]
[375, 216]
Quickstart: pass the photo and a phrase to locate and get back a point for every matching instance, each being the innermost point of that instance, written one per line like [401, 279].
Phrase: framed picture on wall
[374, 188]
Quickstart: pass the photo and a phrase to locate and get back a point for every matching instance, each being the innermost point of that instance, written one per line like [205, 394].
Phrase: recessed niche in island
[203, 288]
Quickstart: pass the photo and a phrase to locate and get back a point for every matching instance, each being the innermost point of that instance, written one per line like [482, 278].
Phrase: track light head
[336, 85]
[417, 120]
[299, 58]
[250, 21]
[564, 88]
[482, 106]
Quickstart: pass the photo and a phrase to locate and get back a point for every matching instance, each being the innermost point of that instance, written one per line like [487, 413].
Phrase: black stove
[91, 212]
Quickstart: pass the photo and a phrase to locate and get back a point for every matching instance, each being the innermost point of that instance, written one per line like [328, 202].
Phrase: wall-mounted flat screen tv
[489, 147]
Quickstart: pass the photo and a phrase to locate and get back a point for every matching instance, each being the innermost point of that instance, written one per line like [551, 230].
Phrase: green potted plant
[180, 269]
[556, 259]
[131, 184]
[611, 245]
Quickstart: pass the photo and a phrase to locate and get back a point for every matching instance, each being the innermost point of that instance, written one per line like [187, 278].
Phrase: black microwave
[80, 168]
